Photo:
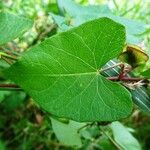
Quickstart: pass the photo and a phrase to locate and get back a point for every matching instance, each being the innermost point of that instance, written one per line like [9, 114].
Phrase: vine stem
[8, 56]
[9, 87]
[7, 60]
[108, 68]
[86, 125]
[116, 5]
[111, 139]
[124, 79]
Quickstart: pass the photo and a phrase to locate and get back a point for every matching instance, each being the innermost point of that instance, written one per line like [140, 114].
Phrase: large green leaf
[62, 73]
[12, 26]
[123, 137]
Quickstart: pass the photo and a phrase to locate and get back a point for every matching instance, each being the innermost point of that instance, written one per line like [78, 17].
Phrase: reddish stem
[9, 86]
[121, 75]
[124, 79]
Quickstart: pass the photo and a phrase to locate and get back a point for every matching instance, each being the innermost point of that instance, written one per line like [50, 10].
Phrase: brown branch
[9, 87]
[124, 79]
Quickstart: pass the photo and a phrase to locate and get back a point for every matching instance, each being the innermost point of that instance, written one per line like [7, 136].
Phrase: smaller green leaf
[82, 14]
[14, 100]
[123, 137]
[12, 26]
[134, 56]
[3, 94]
[146, 73]
[90, 132]
[60, 21]
[74, 9]
[67, 133]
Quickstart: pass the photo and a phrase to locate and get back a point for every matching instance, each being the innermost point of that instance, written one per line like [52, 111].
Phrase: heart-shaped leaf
[62, 73]
[12, 26]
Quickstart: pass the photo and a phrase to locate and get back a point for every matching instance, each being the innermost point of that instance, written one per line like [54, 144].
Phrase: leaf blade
[123, 137]
[67, 82]
[67, 133]
[146, 73]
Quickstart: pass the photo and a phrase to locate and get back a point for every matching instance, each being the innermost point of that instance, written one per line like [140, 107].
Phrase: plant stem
[116, 5]
[111, 139]
[12, 57]
[6, 60]
[127, 11]
[116, 65]
[124, 79]
[121, 75]
[9, 52]
[86, 125]
[9, 87]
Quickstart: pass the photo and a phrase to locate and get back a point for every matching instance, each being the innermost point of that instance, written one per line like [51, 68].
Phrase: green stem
[3, 54]
[116, 5]
[111, 139]
[127, 11]
[7, 60]
[108, 68]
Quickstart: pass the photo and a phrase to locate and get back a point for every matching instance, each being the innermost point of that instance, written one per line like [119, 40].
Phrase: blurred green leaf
[105, 144]
[67, 133]
[81, 14]
[12, 26]
[3, 94]
[90, 132]
[74, 9]
[14, 100]
[2, 147]
[60, 21]
[146, 73]
[123, 137]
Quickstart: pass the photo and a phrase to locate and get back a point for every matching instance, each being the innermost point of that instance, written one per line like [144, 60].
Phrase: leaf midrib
[62, 75]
